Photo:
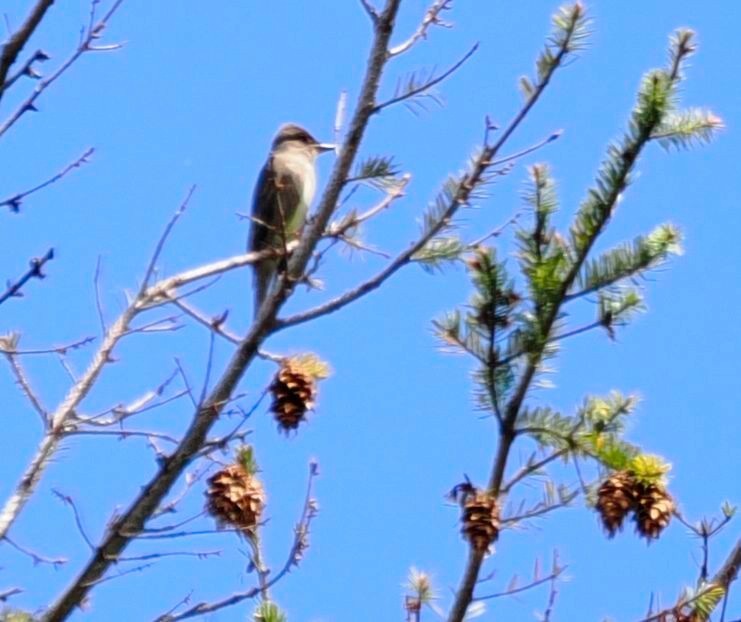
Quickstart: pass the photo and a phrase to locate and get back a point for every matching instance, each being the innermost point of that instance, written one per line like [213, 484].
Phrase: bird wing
[278, 193]
[274, 206]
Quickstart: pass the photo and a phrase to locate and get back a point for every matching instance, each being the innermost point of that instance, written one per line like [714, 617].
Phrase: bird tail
[263, 281]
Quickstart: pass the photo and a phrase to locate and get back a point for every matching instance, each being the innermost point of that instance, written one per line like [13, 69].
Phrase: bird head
[295, 135]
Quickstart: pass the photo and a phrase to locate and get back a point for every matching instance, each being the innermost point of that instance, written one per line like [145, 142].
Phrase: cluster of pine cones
[621, 494]
[235, 496]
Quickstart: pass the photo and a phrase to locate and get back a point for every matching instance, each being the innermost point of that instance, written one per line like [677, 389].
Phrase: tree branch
[18, 40]
[63, 420]
[14, 202]
[431, 17]
[34, 271]
[132, 521]
[93, 32]
[428, 84]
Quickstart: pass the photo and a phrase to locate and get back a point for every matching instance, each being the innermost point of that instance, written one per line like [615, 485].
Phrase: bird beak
[322, 147]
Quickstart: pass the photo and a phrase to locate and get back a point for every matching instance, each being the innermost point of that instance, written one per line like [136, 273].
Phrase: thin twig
[98, 298]
[394, 192]
[86, 45]
[431, 17]
[124, 434]
[148, 556]
[299, 545]
[37, 559]
[55, 350]
[67, 500]
[532, 467]
[34, 271]
[370, 10]
[209, 367]
[524, 588]
[39, 56]
[553, 591]
[215, 324]
[23, 383]
[428, 84]
[6, 594]
[157, 294]
[496, 232]
[149, 272]
[14, 202]
[539, 145]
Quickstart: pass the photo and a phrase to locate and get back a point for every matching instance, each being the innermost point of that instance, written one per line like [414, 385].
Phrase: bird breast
[302, 167]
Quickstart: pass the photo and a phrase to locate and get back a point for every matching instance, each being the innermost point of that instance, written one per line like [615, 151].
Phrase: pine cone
[236, 498]
[480, 520]
[294, 391]
[653, 510]
[615, 499]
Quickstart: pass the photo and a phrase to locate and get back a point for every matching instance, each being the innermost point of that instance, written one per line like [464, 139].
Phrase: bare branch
[148, 556]
[124, 434]
[132, 521]
[532, 467]
[431, 18]
[553, 591]
[394, 191]
[14, 202]
[23, 383]
[215, 324]
[149, 273]
[98, 298]
[6, 594]
[86, 45]
[55, 350]
[18, 40]
[531, 149]
[34, 271]
[63, 420]
[496, 232]
[554, 574]
[39, 56]
[37, 559]
[370, 10]
[67, 500]
[183, 601]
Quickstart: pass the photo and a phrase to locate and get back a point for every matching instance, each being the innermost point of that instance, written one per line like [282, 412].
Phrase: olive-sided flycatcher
[284, 191]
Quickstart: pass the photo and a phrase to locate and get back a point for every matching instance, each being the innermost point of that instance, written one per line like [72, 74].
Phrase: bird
[284, 190]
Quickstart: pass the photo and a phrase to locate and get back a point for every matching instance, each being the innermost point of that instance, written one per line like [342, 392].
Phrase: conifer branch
[654, 101]
[456, 193]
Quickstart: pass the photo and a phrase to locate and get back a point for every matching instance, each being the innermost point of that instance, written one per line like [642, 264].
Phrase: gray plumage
[283, 193]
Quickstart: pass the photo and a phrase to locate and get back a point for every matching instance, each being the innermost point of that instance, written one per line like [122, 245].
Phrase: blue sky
[194, 98]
